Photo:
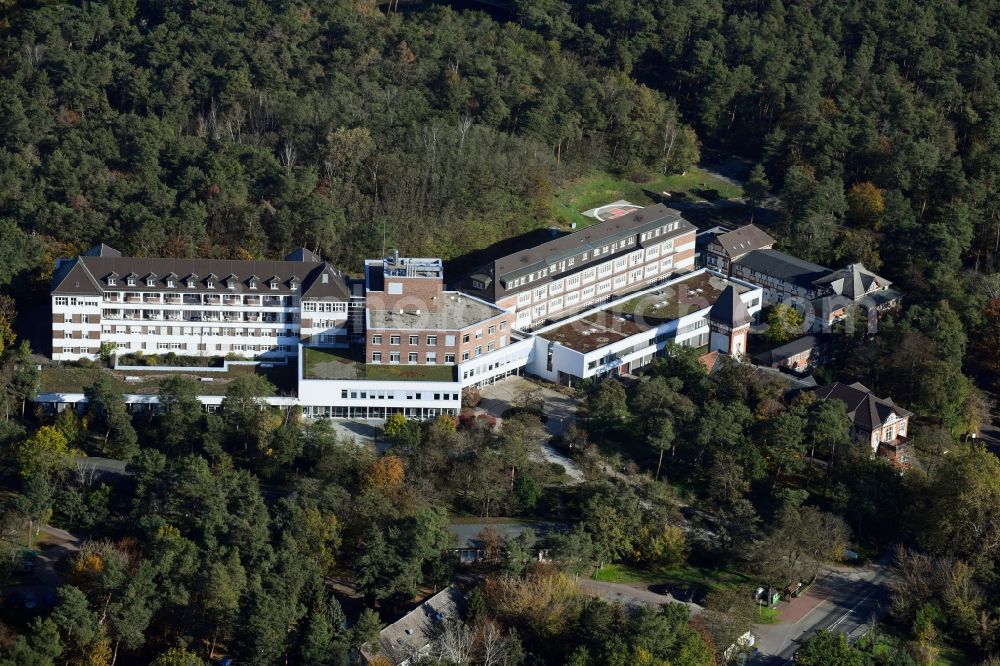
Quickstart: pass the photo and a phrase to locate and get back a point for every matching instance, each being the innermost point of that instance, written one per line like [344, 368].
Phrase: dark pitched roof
[87, 274]
[409, 636]
[303, 254]
[729, 309]
[782, 352]
[854, 281]
[585, 240]
[784, 267]
[101, 250]
[746, 239]
[866, 410]
[73, 278]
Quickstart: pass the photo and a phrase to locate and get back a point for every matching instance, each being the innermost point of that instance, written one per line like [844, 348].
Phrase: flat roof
[330, 363]
[585, 240]
[457, 310]
[642, 313]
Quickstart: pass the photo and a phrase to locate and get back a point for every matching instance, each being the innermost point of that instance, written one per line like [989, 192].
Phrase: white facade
[599, 283]
[554, 361]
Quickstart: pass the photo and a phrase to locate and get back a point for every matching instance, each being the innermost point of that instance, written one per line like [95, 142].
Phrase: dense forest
[246, 129]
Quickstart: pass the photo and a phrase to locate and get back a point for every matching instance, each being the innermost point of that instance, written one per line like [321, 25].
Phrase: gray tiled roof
[88, 274]
[854, 281]
[585, 240]
[797, 346]
[411, 635]
[746, 239]
[866, 410]
[784, 267]
[729, 309]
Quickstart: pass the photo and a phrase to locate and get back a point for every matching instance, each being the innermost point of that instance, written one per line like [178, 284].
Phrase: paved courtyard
[560, 411]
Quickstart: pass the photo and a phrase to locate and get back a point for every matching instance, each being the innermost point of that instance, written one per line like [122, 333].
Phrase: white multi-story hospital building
[603, 300]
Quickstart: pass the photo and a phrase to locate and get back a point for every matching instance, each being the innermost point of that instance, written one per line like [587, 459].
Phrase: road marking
[844, 616]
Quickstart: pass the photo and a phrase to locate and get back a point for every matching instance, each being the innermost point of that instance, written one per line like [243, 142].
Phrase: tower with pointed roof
[729, 322]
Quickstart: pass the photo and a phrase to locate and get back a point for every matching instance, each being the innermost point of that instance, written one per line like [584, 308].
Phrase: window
[150, 282]
[393, 357]
[431, 357]
[432, 340]
[130, 282]
[394, 339]
[61, 300]
[490, 347]
[479, 351]
[492, 330]
[111, 281]
[465, 356]
[414, 340]
[411, 357]
[376, 339]
[449, 358]
[273, 284]
[376, 357]
[190, 284]
[210, 284]
[479, 334]
[170, 283]
[465, 337]
[449, 341]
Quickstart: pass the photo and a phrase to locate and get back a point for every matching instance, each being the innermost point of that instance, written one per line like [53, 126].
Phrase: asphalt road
[844, 601]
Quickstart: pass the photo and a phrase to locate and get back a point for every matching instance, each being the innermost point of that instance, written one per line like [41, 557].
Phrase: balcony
[192, 299]
[133, 298]
[252, 316]
[173, 299]
[251, 300]
[231, 300]
[272, 301]
[213, 300]
[151, 314]
[151, 298]
[112, 297]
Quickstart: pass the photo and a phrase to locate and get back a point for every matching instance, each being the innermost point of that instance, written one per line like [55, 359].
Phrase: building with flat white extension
[196, 307]
[603, 300]
[622, 336]
[422, 346]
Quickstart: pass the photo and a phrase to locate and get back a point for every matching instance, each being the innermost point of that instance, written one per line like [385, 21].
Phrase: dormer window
[190, 284]
[192, 281]
[172, 280]
[210, 284]
[151, 281]
[231, 282]
[273, 284]
[112, 279]
[293, 283]
[130, 281]
[170, 283]
[252, 284]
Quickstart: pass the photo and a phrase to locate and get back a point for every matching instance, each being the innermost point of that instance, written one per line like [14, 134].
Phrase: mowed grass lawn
[711, 578]
[600, 189]
[348, 364]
